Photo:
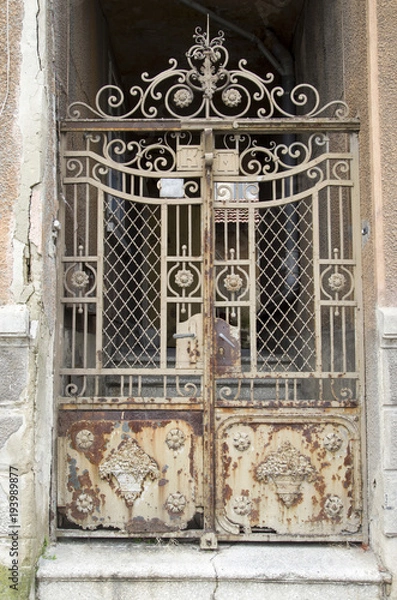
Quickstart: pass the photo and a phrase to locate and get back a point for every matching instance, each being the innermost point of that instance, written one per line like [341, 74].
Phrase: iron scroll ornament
[206, 89]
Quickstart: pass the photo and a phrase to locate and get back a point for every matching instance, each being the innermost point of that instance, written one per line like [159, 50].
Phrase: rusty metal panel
[137, 473]
[289, 475]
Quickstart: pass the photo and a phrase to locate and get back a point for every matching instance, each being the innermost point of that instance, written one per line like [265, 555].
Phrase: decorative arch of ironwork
[207, 89]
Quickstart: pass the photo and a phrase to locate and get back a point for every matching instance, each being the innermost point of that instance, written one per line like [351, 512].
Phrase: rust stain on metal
[227, 267]
[89, 438]
[227, 492]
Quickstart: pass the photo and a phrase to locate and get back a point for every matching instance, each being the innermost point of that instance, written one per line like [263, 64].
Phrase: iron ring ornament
[337, 282]
[242, 505]
[84, 439]
[206, 88]
[184, 278]
[176, 503]
[84, 503]
[241, 441]
[333, 507]
[80, 279]
[183, 97]
[233, 282]
[175, 439]
[332, 442]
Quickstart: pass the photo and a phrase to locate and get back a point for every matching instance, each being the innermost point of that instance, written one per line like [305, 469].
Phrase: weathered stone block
[390, 504]
[14, 321]
[390, 432]
[107, 571]
[388, 326]
[13, 372]
[8, 426]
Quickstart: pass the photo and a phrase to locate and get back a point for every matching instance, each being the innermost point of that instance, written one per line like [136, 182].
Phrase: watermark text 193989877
[13, 527]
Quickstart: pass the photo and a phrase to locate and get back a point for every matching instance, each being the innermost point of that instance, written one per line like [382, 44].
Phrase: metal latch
[179, 336]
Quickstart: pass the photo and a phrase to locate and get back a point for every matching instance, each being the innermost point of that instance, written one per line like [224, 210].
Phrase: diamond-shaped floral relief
[130, 467]
[337, 282]
[176, 503]
[233, 282]
[184, 278]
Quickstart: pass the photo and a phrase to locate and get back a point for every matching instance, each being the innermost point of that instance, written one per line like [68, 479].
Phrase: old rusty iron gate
[211, 369]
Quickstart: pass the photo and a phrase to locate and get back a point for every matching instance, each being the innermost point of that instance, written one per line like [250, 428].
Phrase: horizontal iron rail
[291, 125]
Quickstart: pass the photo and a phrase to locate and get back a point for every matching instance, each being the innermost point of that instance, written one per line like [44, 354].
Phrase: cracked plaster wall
[27, 275]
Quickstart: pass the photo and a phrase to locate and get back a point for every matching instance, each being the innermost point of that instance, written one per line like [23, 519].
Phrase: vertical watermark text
[14, 527]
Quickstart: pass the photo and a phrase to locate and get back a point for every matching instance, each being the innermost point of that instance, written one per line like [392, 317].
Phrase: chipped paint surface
[130, 477]
[295, 485]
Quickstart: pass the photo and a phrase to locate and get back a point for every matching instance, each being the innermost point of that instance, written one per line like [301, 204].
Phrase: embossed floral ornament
[84, 439]
[176, 503]
[85, 503]
[175, 439]
[242, 505]
[287, 468]
[130, 466]
[241, 441]
[337, 282]
[183, 98]
[184, 278]
[80, 279]
[333, 506]
[233, 282]
[231, 97]
[332, 442]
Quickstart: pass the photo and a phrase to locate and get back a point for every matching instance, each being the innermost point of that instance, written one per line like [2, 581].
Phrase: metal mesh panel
[285, 289]
[132, 257]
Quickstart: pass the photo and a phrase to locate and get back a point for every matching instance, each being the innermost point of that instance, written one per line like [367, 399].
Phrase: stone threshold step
[113, 570]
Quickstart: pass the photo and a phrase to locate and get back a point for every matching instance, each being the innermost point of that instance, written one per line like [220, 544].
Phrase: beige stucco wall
[10, 58]
[382, 38]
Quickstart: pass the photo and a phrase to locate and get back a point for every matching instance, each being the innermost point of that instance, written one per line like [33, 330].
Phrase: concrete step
[115, 570]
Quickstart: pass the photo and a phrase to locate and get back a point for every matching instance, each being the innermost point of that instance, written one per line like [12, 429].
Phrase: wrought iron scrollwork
[206, 89]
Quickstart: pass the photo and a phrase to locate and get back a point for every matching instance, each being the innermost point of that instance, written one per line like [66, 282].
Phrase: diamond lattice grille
[285, 291]
[131, 327]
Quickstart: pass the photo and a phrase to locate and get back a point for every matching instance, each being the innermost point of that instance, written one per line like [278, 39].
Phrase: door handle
[226, 339]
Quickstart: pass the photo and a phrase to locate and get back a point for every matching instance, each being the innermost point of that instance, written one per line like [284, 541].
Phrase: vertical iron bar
[100, 275]
[208, 333]
[163, 284]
